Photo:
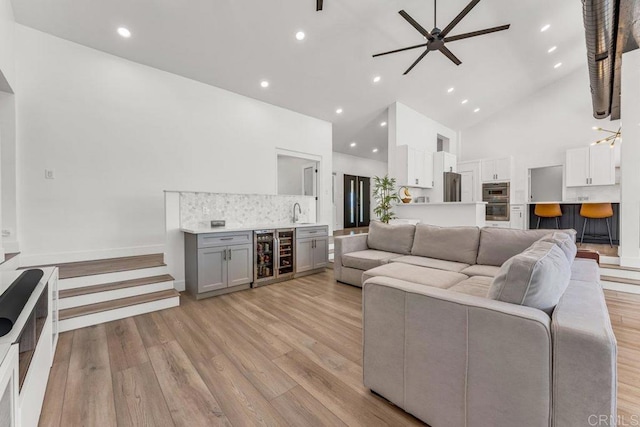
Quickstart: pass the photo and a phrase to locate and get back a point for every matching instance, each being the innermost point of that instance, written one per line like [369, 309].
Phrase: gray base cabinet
[217, 262]
[312, 249]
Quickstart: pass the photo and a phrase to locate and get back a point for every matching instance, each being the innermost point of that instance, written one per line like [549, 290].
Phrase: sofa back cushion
[497, 245]
[459, 244]
[535, 278]
[565, 242]
[396, 238]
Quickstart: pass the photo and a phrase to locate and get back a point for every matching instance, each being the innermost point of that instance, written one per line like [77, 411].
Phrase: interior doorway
[357, 201]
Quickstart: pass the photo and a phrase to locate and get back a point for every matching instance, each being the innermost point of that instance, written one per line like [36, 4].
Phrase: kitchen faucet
[295, 217]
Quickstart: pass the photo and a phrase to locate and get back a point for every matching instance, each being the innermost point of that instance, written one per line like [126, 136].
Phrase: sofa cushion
[365, 260]
[481, 270]
[477, 286]
[497, 245]
[535, 278]
[585, 270]
[438, 264]
[413, 273]
[396, 238]
[458, 244]
[564, 242]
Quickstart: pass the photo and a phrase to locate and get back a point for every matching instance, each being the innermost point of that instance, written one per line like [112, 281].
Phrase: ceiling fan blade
[401, 50]
[319, 4]
[416, 63]
[415, 24]
[476, 33]
[446, 52]
[459, 18]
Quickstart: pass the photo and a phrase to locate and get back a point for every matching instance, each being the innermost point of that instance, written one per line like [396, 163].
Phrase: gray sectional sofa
[482, 327]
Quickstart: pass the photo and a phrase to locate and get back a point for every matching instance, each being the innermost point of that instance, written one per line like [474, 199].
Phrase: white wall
[8, 215]
[409, 127]
[290, 175]
[7, 26]
[538, 131]
[118, 133]
[630, 180]
[344, 164]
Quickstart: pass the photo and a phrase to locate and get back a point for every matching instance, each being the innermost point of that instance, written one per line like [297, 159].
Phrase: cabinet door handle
[224, 257]
[229, 254]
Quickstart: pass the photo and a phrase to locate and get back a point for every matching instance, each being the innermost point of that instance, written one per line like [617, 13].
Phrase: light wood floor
[284, 354]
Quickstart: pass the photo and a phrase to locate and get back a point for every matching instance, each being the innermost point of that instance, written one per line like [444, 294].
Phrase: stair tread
[104, 266]
[117, 303]
[619, 267]
[620, 280]
[86, 290]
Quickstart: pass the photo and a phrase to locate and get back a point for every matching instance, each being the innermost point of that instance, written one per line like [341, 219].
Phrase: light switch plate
[48, 174]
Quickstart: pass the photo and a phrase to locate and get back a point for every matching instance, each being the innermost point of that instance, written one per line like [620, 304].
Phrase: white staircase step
[102, 279]
[617, 271]
[77, 297]
[107, 311]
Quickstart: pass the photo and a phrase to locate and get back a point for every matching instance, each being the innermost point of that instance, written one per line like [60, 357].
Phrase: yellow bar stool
[596, 211]
[548, 210]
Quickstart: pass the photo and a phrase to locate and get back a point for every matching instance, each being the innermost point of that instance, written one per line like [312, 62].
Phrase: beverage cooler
[274, 256]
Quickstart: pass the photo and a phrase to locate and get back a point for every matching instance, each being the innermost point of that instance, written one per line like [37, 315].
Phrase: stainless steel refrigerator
[452, 187]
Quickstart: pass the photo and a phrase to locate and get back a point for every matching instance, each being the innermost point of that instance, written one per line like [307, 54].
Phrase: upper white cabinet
[589, 166]
[414, 167]
[494, 170]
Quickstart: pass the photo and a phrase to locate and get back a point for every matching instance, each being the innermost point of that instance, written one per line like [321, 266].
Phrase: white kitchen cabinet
[414, 167]
[9, 388]
[517, 217]
[590, 166]
[498, 224]
[496, 170]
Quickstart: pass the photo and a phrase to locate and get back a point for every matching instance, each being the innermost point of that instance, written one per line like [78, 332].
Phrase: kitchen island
[444, 214]
[571, 219]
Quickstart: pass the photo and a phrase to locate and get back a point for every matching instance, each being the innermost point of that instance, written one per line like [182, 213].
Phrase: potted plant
[385, 195]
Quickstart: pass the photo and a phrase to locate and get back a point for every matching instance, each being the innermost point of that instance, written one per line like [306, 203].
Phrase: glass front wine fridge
[273, 256]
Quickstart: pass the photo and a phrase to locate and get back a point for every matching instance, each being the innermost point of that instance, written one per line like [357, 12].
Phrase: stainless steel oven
[497, 197]
[497, 192]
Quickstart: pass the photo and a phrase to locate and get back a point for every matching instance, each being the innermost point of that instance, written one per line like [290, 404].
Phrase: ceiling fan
[437, 38]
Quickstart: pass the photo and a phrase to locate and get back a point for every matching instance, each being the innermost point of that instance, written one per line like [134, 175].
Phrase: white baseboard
[179, 285]
[28, 260]
[623, 274]
[119, 313]
[77, 301]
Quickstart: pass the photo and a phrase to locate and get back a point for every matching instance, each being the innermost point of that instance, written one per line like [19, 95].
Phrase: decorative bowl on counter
[404, 194]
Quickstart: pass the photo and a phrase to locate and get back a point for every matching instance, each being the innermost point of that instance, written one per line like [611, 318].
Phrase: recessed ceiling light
[375, 150]
[552, 49]
[353, 144]
[595, 128]
[451, 89]
[300, 35]
[339, 111]
[545, 28]
[558, 65]
[264, 84]
[124, 32]
[476, 110]
[464, 101]
[377, 79]
[383, 124]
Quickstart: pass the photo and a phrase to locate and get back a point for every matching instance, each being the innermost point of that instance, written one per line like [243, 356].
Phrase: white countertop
[247, 228]
[442, 204]
[573, 202]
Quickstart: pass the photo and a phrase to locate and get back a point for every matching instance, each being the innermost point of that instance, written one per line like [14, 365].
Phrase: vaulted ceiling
[237, 44]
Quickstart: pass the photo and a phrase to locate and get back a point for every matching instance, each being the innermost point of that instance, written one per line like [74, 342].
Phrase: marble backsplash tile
[242, 210]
